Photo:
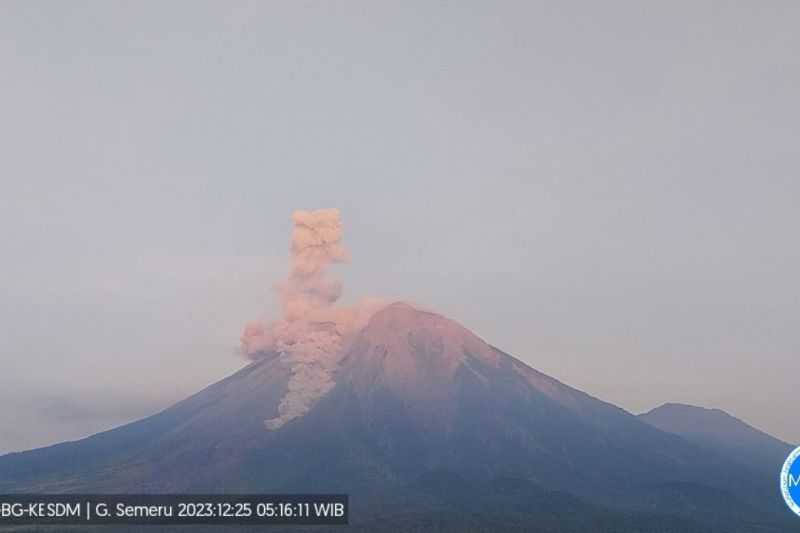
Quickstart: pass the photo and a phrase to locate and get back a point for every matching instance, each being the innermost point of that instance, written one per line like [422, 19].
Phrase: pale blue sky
[606, 190]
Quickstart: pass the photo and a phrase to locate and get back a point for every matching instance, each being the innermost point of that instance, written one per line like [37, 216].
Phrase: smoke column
[316, 243]
[313, 333]
[308, 290]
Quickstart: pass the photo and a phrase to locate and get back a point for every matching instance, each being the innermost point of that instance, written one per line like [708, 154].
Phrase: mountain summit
[413, 394]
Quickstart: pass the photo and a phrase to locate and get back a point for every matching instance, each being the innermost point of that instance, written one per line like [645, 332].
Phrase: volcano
[417, 404]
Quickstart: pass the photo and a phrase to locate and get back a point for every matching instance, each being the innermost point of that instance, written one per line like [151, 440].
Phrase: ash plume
[316, 244]
[313, 332]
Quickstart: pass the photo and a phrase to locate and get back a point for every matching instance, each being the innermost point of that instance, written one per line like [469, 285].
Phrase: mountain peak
[413, 330]
[692, 418]
[399, 307]
[404, 316]
[405, 348]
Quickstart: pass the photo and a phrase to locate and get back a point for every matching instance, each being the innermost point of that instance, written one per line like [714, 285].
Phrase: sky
[607, 191]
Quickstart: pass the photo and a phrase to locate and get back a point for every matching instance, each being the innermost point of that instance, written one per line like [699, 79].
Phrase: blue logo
[790, 481]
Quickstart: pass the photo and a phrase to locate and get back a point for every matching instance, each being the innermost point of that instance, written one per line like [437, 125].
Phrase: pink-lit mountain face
[414, 394]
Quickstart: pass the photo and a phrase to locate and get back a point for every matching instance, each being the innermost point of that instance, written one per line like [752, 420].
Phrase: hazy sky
[608, 191]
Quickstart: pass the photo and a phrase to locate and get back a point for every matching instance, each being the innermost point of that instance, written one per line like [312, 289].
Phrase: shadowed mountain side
[142, 455]
[445, 502]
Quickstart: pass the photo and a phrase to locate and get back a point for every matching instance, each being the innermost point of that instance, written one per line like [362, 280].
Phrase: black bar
[174, 509]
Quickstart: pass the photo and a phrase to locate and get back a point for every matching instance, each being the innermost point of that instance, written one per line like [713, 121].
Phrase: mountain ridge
[717, 430]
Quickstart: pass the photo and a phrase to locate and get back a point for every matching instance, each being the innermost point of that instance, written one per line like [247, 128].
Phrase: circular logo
[790, 481]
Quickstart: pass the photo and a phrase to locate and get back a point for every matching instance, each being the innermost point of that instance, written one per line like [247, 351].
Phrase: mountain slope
[718, 431]
[414, 393]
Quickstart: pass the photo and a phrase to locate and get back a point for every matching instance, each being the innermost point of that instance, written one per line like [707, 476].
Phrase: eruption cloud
[313, 334]
[316, 244]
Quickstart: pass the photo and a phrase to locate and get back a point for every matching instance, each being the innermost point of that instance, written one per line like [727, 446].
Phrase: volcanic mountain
[419, 405]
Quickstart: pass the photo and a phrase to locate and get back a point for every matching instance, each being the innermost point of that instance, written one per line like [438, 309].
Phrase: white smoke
[313, 333]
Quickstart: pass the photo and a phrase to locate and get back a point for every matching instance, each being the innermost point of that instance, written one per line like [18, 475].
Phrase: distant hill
[722, 433]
